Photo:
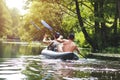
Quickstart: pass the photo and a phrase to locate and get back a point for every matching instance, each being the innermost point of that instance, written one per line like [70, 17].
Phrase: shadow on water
[22, 62]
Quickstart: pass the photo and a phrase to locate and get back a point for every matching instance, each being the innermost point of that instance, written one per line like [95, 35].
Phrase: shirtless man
[69, 45]
[52, 44]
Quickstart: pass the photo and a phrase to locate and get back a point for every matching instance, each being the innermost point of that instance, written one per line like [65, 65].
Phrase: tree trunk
[118, 3]
[89, 40]
[97, 29]
[114, 41]
[96, 16]
[103, 26]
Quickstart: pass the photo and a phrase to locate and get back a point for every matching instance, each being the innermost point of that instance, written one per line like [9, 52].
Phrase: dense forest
[96, 23]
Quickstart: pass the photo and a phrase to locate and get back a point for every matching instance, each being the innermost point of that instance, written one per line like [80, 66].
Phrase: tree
[98, 20]
[104, 35]
[5, 19]
[42, 10]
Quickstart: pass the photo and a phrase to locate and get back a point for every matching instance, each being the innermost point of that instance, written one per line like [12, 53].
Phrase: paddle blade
[36, 26]
[46, 25]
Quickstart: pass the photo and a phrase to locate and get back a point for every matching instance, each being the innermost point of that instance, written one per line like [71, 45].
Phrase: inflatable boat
[59, 55]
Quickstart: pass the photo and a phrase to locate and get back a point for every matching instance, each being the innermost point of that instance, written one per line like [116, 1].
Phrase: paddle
[78, 51]
[46, 25]
[83, 56]
[36, 26]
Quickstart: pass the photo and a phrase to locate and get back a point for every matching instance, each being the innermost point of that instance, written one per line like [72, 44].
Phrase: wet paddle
[46, 25]
[83, 56]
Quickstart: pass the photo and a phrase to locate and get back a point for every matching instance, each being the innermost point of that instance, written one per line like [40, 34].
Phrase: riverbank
[104, 56]
[32, 43]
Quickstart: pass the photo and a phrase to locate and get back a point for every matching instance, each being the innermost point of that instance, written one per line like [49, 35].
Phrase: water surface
[24, 62]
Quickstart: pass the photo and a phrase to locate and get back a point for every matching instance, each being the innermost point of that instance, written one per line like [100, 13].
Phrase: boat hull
[59, 55]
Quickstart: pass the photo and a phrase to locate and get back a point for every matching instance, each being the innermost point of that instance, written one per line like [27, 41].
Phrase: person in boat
[68, 45]
[52, 44]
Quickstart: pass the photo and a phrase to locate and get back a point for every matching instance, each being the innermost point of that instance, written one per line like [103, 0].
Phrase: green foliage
[5, 19]
[99, 19]
[69, 23]
[42, 10]
[80, 38]
[111, 50]
[33, 71]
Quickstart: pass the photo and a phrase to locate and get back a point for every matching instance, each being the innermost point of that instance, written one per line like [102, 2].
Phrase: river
[23, 62]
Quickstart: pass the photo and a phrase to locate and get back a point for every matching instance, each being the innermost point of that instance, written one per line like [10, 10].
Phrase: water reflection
[72, 70]
[13, 50]
[21, 62]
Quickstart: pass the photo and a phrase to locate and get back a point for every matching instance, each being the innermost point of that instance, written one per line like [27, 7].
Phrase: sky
[16, 4]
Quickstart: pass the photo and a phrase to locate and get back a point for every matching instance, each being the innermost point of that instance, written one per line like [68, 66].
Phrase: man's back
[69, 46]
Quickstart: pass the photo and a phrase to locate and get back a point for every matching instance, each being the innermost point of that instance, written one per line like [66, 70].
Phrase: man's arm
[77, 49]
[45, 40]
[79, 52]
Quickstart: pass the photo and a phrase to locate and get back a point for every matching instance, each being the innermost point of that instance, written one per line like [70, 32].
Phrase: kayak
[59, 55]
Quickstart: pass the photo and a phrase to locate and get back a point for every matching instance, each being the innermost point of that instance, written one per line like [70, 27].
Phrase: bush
[111, 50]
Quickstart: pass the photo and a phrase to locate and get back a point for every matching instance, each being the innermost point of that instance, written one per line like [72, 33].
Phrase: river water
[23, 62]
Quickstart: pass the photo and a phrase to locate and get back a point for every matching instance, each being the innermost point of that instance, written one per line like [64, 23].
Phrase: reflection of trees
[9, 50]
[36, 71]
[32, 71]
[1, 50]
[12, 50]
[68, 70]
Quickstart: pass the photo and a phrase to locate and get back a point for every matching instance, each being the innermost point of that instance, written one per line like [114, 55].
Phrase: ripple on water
[11, 69]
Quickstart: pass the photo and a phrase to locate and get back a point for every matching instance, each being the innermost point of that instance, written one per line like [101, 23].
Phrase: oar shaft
[36, 26]
[83, 56]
